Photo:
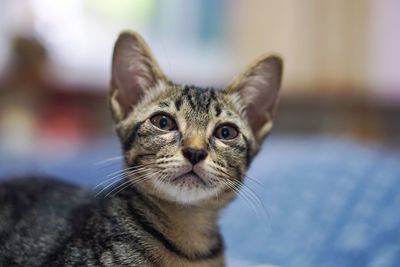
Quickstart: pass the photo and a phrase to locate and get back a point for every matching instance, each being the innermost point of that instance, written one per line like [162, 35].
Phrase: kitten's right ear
[134, 70]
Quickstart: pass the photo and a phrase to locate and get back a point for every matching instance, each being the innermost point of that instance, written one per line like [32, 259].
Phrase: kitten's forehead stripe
[178, 103]
[212, 94]
[210, 98]
[217, 110]
[190, 98]
[199, 99]
[163, 104]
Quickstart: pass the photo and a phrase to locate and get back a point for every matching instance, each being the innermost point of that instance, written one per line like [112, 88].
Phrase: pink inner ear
[256, 121]
[132, 71]
[259, 87]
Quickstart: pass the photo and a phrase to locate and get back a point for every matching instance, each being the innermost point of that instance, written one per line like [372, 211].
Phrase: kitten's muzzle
[194, 155]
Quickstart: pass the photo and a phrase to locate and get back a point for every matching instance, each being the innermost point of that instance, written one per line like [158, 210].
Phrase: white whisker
[107, 160]
[130, 182]
[128, 169]
[121, 175]
[252, 197]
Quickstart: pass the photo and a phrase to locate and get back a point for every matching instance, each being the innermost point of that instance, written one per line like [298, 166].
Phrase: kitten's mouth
[189, 177]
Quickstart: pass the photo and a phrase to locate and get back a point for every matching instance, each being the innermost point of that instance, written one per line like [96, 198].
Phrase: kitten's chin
[189, 179]
[188, 188]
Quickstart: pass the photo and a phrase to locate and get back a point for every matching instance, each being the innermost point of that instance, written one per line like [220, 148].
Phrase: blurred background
[331, 169]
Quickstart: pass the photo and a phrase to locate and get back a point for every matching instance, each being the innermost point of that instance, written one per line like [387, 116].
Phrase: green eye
[226, 132]
[163, 122]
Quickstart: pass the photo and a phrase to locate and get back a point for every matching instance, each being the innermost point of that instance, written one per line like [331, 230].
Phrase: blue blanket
[308, 201]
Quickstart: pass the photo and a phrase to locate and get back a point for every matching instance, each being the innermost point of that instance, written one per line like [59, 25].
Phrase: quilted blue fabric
[329, 202]
[325, 201]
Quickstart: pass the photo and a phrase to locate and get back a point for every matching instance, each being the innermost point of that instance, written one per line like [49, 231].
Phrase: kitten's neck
[190, 231]
[194, 228]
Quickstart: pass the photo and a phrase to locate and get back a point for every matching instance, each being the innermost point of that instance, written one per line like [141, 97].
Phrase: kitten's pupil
[163, 122]
[225, 132]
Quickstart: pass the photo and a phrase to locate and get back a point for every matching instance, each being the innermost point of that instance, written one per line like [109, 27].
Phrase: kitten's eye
[164, 122]
[226, 132]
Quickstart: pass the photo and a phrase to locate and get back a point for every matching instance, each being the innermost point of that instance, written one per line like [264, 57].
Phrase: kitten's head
[185, 143]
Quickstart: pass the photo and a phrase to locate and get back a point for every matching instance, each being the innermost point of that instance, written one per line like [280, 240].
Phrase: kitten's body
[186, 150]
[64, 225]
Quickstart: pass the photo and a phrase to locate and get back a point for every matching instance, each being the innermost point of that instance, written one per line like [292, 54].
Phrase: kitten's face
[191, 141]
[184, 143]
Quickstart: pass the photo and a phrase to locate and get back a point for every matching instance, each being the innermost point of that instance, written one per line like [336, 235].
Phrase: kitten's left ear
[256, 91]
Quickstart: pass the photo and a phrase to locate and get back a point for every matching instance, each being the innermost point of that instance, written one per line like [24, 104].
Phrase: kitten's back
[34, 216]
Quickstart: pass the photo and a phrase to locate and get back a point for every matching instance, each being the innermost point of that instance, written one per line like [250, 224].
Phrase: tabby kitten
[186, 150]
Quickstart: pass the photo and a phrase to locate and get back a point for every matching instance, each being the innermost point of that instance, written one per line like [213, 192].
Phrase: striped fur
[164, 211]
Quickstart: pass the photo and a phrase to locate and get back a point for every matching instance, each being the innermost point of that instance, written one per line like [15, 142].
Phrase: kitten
[186, 150]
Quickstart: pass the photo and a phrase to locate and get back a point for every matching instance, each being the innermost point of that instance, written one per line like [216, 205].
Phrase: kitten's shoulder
[33, 188]
[35, 183]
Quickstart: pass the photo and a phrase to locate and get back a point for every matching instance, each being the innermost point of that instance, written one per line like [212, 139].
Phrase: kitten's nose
[194, 155]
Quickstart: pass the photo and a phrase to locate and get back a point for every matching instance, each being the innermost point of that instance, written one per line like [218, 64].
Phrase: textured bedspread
[326, 201]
